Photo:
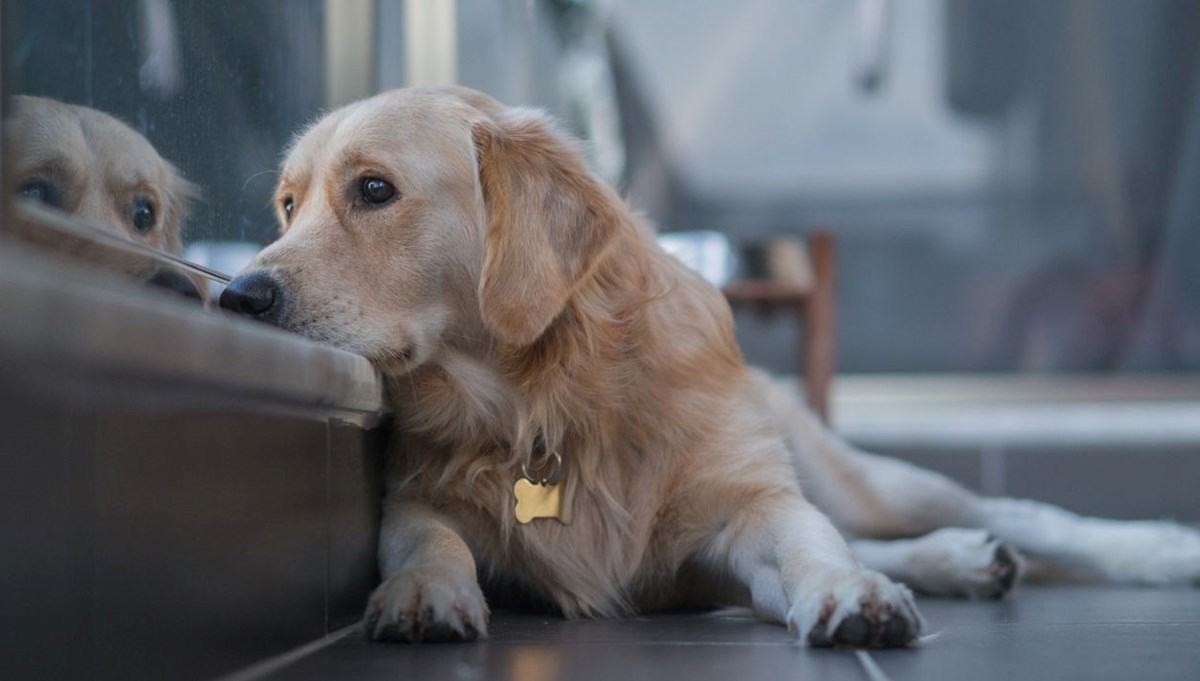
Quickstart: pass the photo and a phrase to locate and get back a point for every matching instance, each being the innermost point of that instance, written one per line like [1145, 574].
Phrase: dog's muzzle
[254, 294]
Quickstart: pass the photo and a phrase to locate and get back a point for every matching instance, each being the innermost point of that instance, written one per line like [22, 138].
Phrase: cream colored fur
[519, 309]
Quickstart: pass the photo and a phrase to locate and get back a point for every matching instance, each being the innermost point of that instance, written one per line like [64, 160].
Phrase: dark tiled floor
[1040, 633]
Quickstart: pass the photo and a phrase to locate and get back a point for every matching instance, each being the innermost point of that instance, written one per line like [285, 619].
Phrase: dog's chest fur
[625, 539]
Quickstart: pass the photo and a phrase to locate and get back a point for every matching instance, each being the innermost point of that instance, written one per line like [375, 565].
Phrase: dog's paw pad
[962, 562]
[426, 605]
[855, 609]
[989, 571]
[1005, 568]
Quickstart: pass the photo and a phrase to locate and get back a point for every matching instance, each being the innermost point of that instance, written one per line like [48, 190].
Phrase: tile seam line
[271, 665]
[869, 667]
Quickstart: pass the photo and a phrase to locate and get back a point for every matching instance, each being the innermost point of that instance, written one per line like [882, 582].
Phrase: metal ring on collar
[556, 458]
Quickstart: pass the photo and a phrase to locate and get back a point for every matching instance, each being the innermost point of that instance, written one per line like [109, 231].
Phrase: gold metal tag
[537, 500]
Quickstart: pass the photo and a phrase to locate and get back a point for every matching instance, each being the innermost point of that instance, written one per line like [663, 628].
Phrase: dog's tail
[876, 497]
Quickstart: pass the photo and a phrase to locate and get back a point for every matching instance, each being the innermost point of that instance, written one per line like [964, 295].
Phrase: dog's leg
[429, 590]
[800, 572]
[877, 497]
[951, 561]
[863, 494]
[1133, 552]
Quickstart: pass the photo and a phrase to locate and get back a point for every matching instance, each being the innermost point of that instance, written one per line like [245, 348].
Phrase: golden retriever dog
[575, 422]
[99, 170]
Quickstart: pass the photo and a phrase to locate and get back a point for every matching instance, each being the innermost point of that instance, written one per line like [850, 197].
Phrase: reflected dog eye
[288, 205]
[376, 191]
[43, 191]
[142, 215]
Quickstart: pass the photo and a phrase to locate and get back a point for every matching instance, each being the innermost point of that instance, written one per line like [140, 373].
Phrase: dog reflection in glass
[97, 169]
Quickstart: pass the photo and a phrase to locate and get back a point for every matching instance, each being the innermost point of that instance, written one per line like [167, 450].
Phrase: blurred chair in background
[782, 276]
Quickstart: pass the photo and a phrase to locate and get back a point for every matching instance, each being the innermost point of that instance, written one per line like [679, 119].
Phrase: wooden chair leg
[818, 357]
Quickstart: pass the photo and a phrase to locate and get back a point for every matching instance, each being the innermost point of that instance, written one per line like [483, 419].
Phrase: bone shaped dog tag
[537, 500]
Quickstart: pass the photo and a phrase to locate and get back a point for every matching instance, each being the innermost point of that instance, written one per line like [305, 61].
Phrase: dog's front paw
[427, 604]
[855, 608]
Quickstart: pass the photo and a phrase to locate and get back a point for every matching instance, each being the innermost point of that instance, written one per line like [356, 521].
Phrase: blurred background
[1010, 181]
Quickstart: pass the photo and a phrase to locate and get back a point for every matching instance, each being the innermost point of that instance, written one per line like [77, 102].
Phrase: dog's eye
[377, 191]
[143, 215]
[40, 190]
[288, 205]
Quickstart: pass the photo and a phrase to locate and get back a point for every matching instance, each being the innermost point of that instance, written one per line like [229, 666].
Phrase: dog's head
[421, 219]
[93, 166]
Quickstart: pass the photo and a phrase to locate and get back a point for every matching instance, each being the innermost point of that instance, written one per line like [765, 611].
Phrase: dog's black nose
[255, 294]
[176, 281]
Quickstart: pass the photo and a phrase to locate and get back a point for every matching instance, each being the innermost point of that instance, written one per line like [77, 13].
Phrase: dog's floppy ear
[548, 221]
[177, 195]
